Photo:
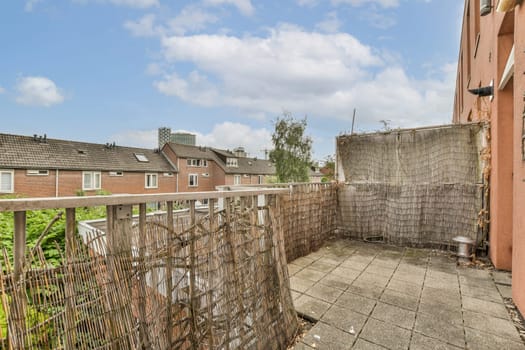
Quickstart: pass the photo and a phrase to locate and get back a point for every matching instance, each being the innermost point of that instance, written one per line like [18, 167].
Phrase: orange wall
[518, 260]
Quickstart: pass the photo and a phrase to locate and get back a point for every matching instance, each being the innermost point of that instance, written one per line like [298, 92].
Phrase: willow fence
[212, 281]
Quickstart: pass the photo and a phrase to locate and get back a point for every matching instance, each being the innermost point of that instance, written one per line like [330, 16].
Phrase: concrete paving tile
[335, 281]
[302, 346]
[473, 273]
[362, 344]
[324, 336]
[322, 266]
[434, 328]
[311, 307]
[355, 264]
[366, 289]
[356, 303]
[421, 342]
[295, 294]
[399, 299]
[447, 297]
[497, 326]
[310, 274]
[379, 270]
[441, 284]
[323, 292]
[485, 307]
[409, 277]
[477, 340]
[293, 268]
[449, 277]
[371, 278]
[505, 291]
[344, 319]
[328, 260]
[404, 287]
[386, 262]
[442, 312]
[299, 284]
[394, 315]
[489, 294]
[385, 334]
[420, 262]
[416, 253]
[346, 273]
[412, 269]
[502, 277]
[476, 282]
[303, 261]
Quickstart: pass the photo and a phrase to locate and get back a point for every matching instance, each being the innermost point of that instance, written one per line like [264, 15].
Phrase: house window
[169, 174]
[197, 162]
[260, 179]
[193, 180]
[116, 173]
[91, 180]
[236, 179]
[7, 181]
[232, 162]
[152, 180]
[35, 172]
[141, 157]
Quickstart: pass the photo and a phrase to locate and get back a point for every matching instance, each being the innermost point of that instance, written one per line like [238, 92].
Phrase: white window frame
[36, 172]
[232, 162]
[93, 185]
[116, 173]
[260, 179]
[195, 180]
[148, 180]
[236, 179]
[12, 184]
[167, 174]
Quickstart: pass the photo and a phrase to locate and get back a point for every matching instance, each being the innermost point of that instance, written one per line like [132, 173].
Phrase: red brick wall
[70, 182]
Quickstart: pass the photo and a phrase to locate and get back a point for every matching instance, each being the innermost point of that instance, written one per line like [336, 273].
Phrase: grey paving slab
[311, 307]
[302, 346]
[394, 315]
[434, 328]
[322, 266]
[300, 284]
[336, 281]
[344, 319]
[494, 325]
[293, 268]
[386, 334]
[324, 292]
[295, 294]
[303, 261]
[367, 289]
[490, 293]
[399, 299]
[485, 307]
[478, 340]
[324, 336]
[356, 303]
[347, 274]
[371, 278]
[362, 344]
[442, 312]
[310, 274]
[442, 296]
[404, 287]
[421, 342]
[442, 284]
[380, 270]
[409, 277]
[505, 291]
[502, 277]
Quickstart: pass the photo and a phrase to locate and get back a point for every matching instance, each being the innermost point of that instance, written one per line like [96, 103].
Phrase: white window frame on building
[236, 179]
[232, 162]
[95, 180]
[151, 180]
[260, 179]
[116, 173]
[36, 172]
[193, 180]
[9, 185]
[197, 162]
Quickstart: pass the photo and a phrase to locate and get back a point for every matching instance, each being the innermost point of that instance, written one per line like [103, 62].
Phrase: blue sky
[116, 70]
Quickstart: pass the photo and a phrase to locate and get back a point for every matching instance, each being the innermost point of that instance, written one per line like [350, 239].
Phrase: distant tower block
[183, 138]
[164, 136]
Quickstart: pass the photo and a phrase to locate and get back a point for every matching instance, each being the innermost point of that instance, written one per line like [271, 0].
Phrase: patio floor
[375, 296]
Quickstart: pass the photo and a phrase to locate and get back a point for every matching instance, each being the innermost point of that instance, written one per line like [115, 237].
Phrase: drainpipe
[56, 183]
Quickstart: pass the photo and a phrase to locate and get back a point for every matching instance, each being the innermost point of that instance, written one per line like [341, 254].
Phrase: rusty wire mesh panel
[413, 187]
[214, 281]
[309, 217]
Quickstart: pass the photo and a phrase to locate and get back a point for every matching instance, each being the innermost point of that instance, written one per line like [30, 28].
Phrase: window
[169, 174]
[236, 179]
[141, 157]
[32, 172]
[197, 162]
[260, 179]
[205, 175]
[7, 181]
[116, 173]
[151, 180]
[232, 162]
[91, 180]
[193, 180]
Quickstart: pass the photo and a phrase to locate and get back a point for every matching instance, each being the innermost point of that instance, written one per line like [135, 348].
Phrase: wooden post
[69, 288]
[211, 270]
[17, 313]
[169, 272]
[143, 331]
[193, 293]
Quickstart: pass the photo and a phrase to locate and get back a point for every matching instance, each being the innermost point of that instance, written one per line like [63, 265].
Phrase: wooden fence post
[169, 272]
[69, 287]
[143, 317]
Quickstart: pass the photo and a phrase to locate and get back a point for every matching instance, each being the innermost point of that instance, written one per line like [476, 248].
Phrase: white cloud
[307, 73]
[128, 3]
[307, 3]
[30, 5]
[143, 27]
[38, 91]
[226, 135]
[244, 6]
[378, 19]
[330, 24]
[2, 90]
[383, 3]
[191, 19]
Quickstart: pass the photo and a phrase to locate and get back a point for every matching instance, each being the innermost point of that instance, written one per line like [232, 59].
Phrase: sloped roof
[26, 152]
[252, 166]
[188, 151]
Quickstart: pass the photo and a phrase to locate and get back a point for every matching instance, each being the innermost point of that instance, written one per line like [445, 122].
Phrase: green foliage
[103, 192]
[80, 193]
[292, 149]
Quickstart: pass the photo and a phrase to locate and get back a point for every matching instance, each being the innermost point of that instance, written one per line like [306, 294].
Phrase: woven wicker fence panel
[216, 281]
[416, 188]
[308, 217]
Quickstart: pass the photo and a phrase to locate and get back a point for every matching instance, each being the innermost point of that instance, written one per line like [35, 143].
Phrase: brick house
[204, 168]
[41, 167]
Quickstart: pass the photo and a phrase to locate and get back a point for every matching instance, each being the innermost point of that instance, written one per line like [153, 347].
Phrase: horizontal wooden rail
[23, 204]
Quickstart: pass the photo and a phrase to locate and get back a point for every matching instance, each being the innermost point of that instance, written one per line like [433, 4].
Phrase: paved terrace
[374, 296]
